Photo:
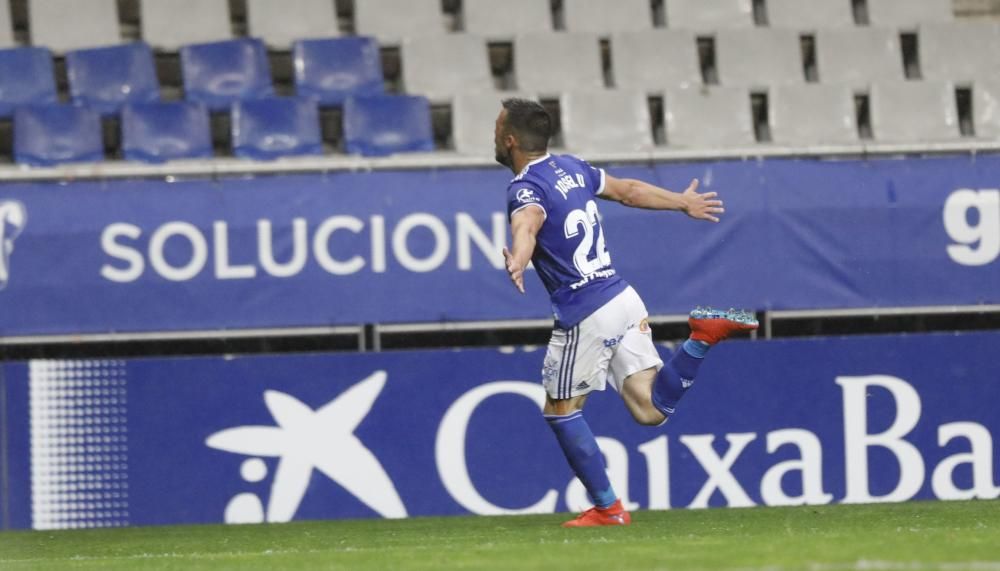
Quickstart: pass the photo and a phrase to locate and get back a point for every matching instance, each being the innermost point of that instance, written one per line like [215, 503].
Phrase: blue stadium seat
[331, 70]
[378, 125]
[266, 129]
[159, 132]
[221, 73]
[46, 135]
[107, 78]
[25, 77]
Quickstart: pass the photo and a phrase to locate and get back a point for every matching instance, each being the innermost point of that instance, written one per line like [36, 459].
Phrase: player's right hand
[515, 272]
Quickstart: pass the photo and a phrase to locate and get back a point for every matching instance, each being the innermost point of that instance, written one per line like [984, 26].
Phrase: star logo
[323, 439]
[13, 218]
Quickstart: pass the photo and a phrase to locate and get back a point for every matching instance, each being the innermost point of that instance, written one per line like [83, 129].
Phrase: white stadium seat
[468, 68]
[758, 57]
[858, 56]
[482, 18]
[908, 13]
[607, 16]
[655, 59]
[607, 121]
[812, 114]
[6, 26]
[709, 15]
[708, 118]
[913, 112]
[960, 51]
[392, 21]
[986, 109]
[168, 24]
[473, 117]
[281, 22]
[809, 15]
[64, 25]
[549, 64]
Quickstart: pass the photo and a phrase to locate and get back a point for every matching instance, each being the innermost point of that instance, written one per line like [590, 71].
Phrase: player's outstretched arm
[524, 227]
[640, 194]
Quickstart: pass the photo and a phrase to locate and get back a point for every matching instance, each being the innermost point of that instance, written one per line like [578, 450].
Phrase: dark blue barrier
[164, 441]
[423, 246]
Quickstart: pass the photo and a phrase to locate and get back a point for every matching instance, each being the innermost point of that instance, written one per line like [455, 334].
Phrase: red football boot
[614, 514]
[712, 325]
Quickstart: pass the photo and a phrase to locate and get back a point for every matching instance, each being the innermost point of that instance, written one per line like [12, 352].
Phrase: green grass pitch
[910, 536]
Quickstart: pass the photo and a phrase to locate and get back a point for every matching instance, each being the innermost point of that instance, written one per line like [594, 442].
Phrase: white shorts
[613, 342]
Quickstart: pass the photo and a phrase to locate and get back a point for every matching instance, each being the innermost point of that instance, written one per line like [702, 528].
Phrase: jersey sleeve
[595, 176]
[523, 194]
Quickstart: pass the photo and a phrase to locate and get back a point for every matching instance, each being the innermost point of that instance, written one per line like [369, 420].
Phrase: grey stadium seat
[809, 15]
[655, 59]
[812, 114]
[607, 16]
[468, 68]
[708, 117]
[960, 52]
[281, 22]
[392, 21]
[517, 17]
[908, 13]
[607, 121]
[758, 57]
[913, 112]
[473, 117]
[549, 64]
[6, 29]
[709, 15]
[63, 25]
[858, 56]
[986, 109]
[168, 24]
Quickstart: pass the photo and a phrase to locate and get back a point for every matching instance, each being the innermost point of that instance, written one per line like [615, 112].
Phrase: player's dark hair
[530, 123]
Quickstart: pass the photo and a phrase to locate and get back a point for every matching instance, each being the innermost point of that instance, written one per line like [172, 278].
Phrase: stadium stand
[266, 129]
[907, 13]
[392, 22]
[809, 15]
[549, 64]
[46, 135]
[610, 121]
[26, 77]
[758, 57]
[165, 131]
[169, 24]
[913, 112]
[710, 117]
[858, 56]
[473, 117]
[63, 25]
[519, 17]
[468, 66]
[6, 26]
[986, 106]
[812, 115]
[607, 16]
[330, 70]
[655, 59]
[960, 51]
[379, 125]
[221, 73]
[106, 78]
[281, 23]
[702, 16]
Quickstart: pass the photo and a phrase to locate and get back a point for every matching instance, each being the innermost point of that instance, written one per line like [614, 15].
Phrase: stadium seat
[809, 15]
[26, 77]
[960, 51]
[392, 21]
[549, 64]
[708, 117]
[482, 18]
[606, 121]
[266, 129]
[758, 57]
[468, 66]
[858, 56]
[655, 59]
[607, 16]
[473, 117]
[164, 131]
[913, 112]
[106, 78]
[813, 114]
[6, 26]
[170, 24]
[280, 22]
[46, 135]
[63, 25]
[221, 73]
[986, 109]
[379, 125]
[330, 70]
[908, 13]
[701, 16]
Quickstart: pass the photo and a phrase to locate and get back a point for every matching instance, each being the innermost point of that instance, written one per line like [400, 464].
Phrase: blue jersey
[571, 254]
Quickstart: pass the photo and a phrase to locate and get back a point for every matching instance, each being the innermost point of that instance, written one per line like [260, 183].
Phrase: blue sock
[677, 375]
[584, 456]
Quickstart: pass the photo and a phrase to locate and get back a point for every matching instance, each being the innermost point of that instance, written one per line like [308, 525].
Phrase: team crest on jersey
[526, 196]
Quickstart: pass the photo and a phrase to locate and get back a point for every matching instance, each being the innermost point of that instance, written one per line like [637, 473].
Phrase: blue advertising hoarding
[279, 438]
[424, 246]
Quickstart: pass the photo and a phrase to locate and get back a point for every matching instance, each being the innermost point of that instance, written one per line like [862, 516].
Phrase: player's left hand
[515, 271]
[702, 206]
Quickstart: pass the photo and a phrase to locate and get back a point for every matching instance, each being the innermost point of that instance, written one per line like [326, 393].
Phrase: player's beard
[504, 157]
